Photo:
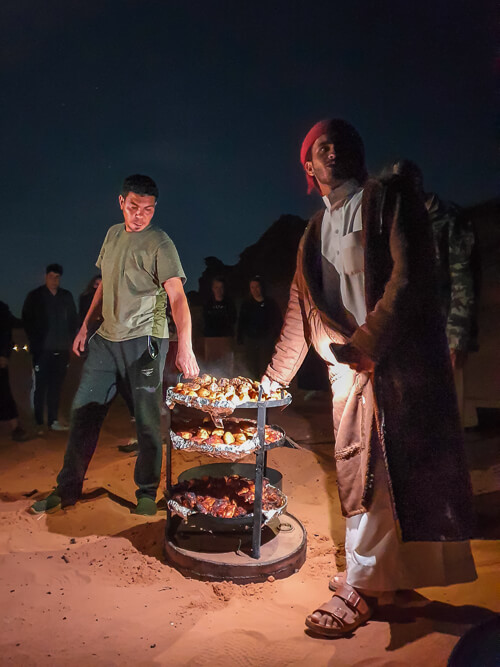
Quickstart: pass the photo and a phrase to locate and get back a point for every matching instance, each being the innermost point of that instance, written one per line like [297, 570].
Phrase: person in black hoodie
[50, 321]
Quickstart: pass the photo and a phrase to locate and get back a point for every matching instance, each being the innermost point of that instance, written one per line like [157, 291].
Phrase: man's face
[331, 162]
[52, 280]
[256, 290]
[218, 290]
[137, 211]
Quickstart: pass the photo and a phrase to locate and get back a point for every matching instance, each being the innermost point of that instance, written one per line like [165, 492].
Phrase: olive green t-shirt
[134, 266]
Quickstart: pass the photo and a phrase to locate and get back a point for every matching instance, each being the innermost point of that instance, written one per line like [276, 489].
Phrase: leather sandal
[347, 609]
[337, 580]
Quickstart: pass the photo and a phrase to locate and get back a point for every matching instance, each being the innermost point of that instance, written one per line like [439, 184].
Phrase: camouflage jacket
[453, 242]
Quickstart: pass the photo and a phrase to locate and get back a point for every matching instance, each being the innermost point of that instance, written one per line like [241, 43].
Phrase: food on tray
[235, 432]
[237, 390]
[226, 497]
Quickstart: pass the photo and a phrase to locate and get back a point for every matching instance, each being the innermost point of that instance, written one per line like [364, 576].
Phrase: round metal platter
[232, 452]
[208, 521]
[205, 403]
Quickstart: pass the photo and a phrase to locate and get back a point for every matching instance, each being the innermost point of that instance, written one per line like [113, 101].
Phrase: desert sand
[89, 585]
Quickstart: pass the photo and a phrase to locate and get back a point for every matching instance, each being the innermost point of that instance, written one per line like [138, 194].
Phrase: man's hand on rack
[269, 385]
[186, 362]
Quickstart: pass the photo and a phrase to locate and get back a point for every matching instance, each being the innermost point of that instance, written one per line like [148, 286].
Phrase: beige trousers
[377, 560]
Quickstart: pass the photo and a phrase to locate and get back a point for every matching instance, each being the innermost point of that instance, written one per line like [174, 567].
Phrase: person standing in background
[50, 321]
[86, 299]
[259, 325]
[219, 319]
[454, 241]
[8, 408]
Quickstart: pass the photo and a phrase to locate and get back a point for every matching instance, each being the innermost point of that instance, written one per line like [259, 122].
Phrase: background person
[219, 319]
[50, 321]
[8, 408]
[259, 325]
[454, 241]
[86, 298]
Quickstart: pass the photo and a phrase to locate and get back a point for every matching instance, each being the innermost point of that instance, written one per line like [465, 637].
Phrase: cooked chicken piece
[228, 438]
[240, 438]
[205, 379]
[229, 512]
[203, 433]
[203, 392]
[187, 435]
[218, 431]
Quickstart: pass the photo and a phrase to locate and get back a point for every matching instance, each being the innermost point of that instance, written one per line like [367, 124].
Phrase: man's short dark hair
[54, 268]
[139, 185]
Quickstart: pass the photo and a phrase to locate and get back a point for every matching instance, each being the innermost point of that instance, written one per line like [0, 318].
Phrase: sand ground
[89, 585]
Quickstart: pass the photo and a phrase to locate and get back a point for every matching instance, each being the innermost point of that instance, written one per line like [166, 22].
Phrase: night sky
[212, 99]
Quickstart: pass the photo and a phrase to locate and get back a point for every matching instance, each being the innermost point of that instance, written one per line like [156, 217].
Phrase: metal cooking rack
[260, 461]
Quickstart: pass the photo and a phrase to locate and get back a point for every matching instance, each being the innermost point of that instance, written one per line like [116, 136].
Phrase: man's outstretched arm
[185, 360]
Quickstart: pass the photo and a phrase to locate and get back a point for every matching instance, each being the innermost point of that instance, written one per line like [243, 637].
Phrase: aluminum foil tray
[215, 521]
[223, 451]
[221, 408]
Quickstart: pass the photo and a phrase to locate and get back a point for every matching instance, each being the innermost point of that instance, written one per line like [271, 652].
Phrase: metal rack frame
[260, 466]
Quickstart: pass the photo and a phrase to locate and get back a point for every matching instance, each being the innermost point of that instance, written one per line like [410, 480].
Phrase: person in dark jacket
[86, 299]
[219, 312]
[50, 321]
[219, 319]
[454, 240]
[259, 326]
[8, 408]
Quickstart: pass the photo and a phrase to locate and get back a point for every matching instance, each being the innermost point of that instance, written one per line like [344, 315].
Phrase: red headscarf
[339, 127]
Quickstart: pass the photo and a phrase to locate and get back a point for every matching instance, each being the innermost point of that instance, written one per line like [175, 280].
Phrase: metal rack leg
[168, 523]
[260, 464]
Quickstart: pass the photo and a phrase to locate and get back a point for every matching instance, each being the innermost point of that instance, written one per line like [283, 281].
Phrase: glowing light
[25, 347]
[15, 348]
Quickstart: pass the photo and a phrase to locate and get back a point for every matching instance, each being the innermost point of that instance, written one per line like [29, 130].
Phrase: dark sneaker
[131, 446]
[51, 503]
[145, 506]
[20, 435]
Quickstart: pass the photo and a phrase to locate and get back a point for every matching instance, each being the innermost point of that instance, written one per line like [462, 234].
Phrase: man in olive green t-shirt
[140, 269]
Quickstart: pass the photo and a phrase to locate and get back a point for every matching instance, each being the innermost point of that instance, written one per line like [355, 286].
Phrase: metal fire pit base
[227, 556]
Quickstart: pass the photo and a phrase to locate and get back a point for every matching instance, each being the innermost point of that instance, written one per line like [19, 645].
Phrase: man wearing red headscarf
[364, 295]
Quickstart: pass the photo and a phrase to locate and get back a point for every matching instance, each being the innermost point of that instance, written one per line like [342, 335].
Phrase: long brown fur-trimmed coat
[408, 403]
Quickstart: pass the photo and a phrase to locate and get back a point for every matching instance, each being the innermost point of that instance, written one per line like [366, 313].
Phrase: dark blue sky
[212, 99]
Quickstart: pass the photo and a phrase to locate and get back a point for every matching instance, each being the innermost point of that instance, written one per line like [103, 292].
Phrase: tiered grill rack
[260, 463]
